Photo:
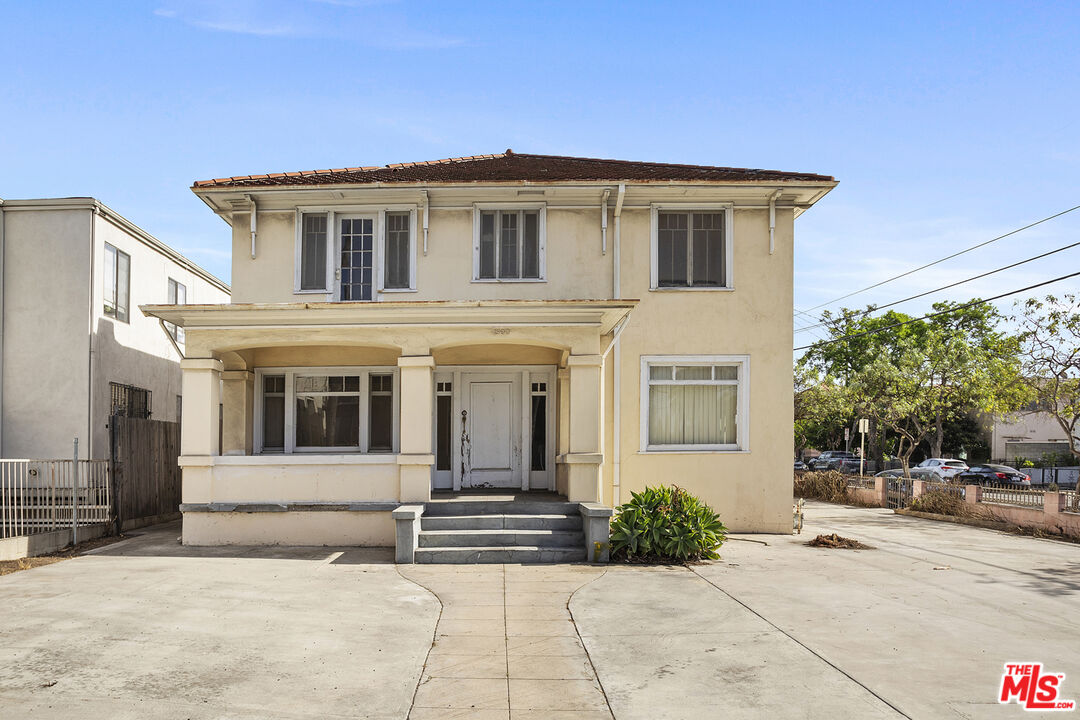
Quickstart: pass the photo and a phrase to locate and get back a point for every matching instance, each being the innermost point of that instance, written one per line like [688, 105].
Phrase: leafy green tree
[1050, 340]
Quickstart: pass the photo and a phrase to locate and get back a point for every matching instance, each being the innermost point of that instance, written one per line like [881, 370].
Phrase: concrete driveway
[149, 629]
[919, 627]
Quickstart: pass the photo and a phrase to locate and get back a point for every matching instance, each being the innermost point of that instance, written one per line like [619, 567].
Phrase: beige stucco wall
[750, 488]
[367, 529]
[56, 335]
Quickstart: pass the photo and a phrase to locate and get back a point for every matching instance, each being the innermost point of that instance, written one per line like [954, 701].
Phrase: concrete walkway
[506, 646]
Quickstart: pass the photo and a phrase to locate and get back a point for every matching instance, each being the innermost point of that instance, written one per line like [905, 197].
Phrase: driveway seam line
[585, 647]
[801, 644]
[434, 634]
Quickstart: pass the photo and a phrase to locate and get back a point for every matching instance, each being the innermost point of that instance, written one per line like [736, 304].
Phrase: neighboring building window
[694, 403]
[509, 245]
[129, 401]
[117, 282]
[312, 410]
[177, 296]
[691, 249]
[355, 256]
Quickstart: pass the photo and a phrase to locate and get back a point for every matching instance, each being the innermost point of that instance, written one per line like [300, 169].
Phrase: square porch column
[415, 456]
[584, 456]
[202, 397]
[238, 409]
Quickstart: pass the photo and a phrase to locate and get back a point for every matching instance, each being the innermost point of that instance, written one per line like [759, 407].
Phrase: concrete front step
[499, 507]
[501, 538]
[501, 522]
[475, 555]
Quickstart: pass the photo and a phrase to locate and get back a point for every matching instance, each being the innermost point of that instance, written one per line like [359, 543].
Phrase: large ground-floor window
[327, 410]
[694, 402]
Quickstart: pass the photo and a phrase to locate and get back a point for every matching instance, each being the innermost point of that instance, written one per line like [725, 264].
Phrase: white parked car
[944, 468]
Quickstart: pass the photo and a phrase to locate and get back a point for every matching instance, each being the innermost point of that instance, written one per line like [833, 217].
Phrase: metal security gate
[899, 494]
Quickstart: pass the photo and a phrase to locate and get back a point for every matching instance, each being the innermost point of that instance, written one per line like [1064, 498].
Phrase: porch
[310, 424]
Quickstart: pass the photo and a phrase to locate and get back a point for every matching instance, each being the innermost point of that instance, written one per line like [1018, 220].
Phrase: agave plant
[666, 523]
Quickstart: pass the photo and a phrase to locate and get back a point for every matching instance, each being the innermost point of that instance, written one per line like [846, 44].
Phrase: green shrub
[666, 523]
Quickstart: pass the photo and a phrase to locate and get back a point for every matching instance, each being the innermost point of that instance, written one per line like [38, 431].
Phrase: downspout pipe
[91, 315]
[603, 221]
[616, 429]
[1, 328]
[254, 222]
[427, 207]
[772, 220]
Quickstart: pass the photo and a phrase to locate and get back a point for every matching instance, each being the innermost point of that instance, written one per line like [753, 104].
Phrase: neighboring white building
[73, 344]
[1028, 434]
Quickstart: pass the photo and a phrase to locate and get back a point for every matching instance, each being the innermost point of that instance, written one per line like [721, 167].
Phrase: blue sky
[946, 123]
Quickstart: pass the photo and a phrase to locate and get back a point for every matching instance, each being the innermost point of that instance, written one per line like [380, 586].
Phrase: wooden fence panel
[146, 477]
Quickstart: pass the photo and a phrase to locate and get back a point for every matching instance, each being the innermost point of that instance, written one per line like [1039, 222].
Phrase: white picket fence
[39, 496]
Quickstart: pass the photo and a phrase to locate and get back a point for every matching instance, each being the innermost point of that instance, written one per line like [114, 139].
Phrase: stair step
[501, 538]
[501, 522]
[499, 507]
[521, 554]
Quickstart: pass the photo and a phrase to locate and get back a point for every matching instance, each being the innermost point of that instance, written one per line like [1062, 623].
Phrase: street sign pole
[863, 427]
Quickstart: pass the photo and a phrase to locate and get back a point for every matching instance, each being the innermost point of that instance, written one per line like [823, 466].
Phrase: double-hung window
[117, 287]
[327, 410]
[694, 403]
[177, 296]
[508, 244]
[691, 248]
[355, 254]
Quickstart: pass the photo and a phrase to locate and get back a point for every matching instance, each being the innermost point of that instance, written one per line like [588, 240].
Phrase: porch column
[415, 456]
[238, 406]
[584, 456]
[202, 398]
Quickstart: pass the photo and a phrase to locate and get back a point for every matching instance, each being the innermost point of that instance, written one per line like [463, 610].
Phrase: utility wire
[946, 287]
[947, 257]
[936, 314]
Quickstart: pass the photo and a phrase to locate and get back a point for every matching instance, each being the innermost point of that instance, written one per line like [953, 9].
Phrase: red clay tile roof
[515, 167]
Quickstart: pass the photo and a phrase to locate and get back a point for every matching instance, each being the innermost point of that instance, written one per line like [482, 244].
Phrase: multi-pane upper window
[509, 245]
[693, 404]
[354, 256]
[691, 249]
[316, 410]
[117, 288]
[177, 296]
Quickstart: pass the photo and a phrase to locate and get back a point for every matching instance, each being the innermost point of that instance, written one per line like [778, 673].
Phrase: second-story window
[509, 244]
[177, 296]
[691, 248]
[354, 256]
[117, 282]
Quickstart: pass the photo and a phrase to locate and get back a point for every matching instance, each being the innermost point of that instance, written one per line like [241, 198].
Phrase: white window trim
[729, 244]
[290, 374]
[333, 247]
[742, 413]
[541, 240]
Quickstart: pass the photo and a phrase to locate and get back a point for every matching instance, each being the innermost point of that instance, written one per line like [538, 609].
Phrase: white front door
[493, 423]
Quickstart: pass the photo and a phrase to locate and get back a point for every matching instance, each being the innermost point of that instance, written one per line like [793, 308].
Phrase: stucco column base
[201, 398]
[415, 477]
[407, 532]
[582, 476]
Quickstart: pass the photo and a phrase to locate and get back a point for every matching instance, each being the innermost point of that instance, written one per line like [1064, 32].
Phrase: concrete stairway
[518, 530]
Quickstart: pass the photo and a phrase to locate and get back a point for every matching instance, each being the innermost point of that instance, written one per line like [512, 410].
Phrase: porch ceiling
[601, 314]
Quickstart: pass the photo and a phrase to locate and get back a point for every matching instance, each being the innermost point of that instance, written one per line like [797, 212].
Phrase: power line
[947, 257]
[946, 287]
[936, 314]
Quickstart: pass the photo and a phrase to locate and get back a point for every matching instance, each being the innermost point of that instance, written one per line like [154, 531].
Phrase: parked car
[894, 473]
[916, 473]
[994, 475]
[799, 464]
[944, 468]
[832, 460]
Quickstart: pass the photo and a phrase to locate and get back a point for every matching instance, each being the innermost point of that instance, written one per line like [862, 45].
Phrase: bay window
[327, 410]
[694, 403]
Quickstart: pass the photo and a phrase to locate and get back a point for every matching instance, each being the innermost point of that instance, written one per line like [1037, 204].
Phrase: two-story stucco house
[509, 322]
[74, 348]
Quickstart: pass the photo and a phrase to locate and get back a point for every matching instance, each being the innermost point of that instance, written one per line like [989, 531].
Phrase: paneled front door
[492, 422]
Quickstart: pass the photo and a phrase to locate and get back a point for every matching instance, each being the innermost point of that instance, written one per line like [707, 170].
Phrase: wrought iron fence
[1007, 495]
[861, 481]
[38, 496]
[1072, 501]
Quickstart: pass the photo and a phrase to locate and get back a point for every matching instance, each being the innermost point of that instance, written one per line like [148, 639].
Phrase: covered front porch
[311, 423]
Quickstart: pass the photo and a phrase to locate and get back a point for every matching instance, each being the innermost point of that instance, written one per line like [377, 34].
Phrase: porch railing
[39, 496]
